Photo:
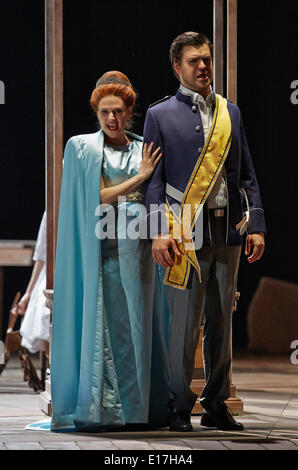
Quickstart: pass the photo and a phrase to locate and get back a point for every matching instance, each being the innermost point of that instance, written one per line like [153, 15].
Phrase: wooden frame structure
[218, 46]
[219, 25]
[232, 50]
[198, 382]
[54, 124]
[54, 147]
[54, 138]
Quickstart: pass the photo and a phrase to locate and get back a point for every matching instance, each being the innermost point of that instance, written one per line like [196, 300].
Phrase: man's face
[196, 69]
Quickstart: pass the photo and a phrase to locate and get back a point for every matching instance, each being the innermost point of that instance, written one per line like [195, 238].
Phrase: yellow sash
[200, 184]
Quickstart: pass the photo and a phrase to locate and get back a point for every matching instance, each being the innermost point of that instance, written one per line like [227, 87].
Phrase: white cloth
[40, 252]
[35, 328]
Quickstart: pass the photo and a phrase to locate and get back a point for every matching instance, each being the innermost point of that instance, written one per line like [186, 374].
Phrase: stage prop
[54, 138]
[13, 253]
[54, 147]
[198, 382]
[13, 341]
[272, 318]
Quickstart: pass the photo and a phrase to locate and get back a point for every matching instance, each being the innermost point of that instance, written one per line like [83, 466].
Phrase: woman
[108, 361]
[35, 328]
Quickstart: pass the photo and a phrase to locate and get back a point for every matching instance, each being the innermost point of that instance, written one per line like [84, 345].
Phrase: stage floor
[268, 386]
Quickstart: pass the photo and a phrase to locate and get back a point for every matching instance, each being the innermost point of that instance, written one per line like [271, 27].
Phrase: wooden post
[232, 50]
[54, 145]
[198, 382]
[54, 125]
[218, 46]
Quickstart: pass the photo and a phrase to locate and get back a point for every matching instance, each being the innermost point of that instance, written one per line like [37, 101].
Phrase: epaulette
[160, 101]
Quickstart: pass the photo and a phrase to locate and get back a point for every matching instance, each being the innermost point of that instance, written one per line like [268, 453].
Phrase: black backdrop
[134, 37]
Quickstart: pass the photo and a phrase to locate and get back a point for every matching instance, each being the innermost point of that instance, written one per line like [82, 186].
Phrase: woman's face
[113, 115]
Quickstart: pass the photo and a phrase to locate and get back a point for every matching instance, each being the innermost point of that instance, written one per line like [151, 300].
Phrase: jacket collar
[100, 135]
[183, 95]
[185, 98]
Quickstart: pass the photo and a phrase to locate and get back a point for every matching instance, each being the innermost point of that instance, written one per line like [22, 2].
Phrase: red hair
[120, 87]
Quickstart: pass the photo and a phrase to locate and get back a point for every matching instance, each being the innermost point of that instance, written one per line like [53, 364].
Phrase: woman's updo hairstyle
[113, 83]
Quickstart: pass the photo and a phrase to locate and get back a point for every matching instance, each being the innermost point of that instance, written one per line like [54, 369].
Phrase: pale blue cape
[83, 376]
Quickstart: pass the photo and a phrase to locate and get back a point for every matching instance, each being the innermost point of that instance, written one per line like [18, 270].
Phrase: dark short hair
[189, 38]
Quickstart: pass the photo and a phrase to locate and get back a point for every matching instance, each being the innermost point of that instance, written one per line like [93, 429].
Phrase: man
[206, 166]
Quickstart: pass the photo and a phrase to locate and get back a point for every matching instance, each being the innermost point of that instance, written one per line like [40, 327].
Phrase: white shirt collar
[196, 97]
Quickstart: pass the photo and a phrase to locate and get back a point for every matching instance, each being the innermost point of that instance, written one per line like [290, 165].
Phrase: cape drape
[83, 376]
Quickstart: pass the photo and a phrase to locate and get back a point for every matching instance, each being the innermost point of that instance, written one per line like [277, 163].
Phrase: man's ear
[176, 67]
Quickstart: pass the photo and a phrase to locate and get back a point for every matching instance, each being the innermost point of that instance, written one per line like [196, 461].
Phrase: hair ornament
[112, 79]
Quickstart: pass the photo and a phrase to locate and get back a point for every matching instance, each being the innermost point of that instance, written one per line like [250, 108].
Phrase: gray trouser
[211, 301]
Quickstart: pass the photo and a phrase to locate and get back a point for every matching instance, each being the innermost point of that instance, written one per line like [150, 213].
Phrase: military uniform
[175, 124]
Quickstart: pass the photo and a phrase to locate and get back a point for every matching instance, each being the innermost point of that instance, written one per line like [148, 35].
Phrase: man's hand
[257, 241]
[161, 247]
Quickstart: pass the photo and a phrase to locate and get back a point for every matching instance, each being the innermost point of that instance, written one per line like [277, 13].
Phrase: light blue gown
[108, 350]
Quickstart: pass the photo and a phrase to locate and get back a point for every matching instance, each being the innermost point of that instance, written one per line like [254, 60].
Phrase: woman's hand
[149, 161]
[147, 166]
[22, 305]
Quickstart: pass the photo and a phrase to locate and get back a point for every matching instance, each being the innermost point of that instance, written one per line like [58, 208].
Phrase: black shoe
[221, 418]
[206, 420]
[180, 421]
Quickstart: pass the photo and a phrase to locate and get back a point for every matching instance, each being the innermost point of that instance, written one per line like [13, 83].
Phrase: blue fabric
[42, 425]
[121, 162]
[176, 126]
[106, 368]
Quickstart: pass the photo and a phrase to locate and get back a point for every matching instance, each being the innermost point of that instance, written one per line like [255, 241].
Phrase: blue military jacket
[175, 125]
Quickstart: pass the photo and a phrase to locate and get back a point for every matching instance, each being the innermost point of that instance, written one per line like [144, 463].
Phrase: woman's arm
[147, 166]
[110, 194]
[22, 305]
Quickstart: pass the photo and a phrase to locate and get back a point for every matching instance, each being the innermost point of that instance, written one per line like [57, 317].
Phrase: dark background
[134, 37]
